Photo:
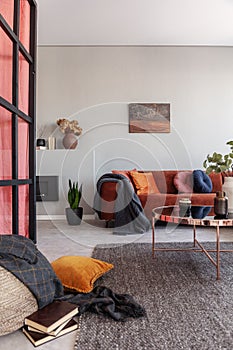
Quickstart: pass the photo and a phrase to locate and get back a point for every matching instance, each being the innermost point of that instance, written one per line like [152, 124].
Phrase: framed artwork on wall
[149, 117]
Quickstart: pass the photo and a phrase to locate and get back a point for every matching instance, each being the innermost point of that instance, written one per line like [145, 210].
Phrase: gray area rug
[186, 307]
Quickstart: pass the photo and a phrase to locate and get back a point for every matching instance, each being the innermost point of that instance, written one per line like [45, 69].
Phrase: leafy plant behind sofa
[217, 162]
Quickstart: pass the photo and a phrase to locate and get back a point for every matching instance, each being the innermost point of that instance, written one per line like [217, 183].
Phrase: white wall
[95, 84]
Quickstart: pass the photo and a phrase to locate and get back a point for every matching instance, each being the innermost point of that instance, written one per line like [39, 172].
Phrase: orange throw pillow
[126, 173]
[79, 273]
[144, 182]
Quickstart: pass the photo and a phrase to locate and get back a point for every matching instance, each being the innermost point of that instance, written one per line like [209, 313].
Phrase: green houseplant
[74, 213]
[219, 163]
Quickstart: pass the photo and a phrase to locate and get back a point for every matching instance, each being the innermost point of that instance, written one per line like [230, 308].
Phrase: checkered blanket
[20, 256]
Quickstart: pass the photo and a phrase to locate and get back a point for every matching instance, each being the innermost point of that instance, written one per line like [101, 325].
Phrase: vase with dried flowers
[71, 129]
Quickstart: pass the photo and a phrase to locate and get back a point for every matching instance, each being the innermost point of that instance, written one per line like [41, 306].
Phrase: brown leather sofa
[168, 194]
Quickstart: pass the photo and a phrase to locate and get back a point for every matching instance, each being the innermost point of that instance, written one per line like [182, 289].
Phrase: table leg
[194, 235]
[217, 252]
[153, 237]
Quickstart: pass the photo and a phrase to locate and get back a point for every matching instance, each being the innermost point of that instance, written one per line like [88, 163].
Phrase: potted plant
[74, 213]
[219, 163]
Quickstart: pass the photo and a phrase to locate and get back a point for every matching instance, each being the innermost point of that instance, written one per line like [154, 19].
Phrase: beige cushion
[16, 302]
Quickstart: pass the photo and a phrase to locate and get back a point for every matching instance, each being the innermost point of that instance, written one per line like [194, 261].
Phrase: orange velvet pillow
[79, 273]
[126, 173]
[144, 182]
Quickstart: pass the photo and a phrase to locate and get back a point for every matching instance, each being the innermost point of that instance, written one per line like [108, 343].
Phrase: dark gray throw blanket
[129, 214]
[20, 256]
[104, 301]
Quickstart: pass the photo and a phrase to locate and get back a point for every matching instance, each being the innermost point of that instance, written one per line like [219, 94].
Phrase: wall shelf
[54, 150]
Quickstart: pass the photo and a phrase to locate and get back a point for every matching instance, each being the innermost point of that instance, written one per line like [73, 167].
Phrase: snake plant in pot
[74, 213]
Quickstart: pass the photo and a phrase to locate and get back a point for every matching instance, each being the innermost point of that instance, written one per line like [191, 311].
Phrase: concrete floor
[57, 238]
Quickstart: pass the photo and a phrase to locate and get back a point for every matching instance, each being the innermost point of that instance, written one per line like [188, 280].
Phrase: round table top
[197, 215]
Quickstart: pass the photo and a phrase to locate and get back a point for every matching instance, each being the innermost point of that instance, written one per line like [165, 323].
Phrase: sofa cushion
[144, 182]
[152, 201]
[164, 180]
[126, 173]
[217, 181]
[201, 182]
[183, 181]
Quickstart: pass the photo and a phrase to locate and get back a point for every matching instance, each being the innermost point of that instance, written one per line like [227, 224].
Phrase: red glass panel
[23, 84]
[23, 143]
[5, 145]
[7, 11]
[6, 210]
[24, 210]
[24, 26]
[6, 48]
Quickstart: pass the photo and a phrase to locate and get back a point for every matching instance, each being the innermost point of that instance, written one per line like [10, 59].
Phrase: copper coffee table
[200, 216]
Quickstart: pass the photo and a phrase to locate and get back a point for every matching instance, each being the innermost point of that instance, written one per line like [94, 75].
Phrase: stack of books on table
[50, 322]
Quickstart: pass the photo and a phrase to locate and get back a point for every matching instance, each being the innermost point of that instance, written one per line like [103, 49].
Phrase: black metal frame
[30, 56]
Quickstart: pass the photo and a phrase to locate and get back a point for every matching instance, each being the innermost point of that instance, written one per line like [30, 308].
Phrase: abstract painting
[149, 117]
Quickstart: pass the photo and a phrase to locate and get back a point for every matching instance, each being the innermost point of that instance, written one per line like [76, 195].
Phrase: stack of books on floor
[50, 322]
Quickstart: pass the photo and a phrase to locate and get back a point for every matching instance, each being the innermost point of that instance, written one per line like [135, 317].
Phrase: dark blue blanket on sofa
[129, 214]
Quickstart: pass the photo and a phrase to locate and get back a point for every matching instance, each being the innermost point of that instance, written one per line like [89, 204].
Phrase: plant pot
[74, 216]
